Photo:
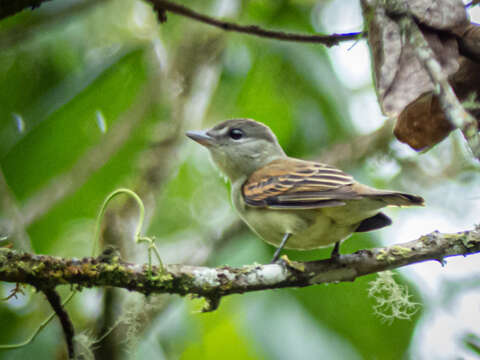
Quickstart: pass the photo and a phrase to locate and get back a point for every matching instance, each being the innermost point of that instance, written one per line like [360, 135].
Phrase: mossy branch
[213, 283]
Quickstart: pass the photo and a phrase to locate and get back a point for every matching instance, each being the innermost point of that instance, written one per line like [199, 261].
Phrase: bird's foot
[279, 249]
[336, 251]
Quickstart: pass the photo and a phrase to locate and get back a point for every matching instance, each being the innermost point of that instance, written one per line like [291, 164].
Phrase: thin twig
[67, 325]
[49, 271]
[327, 40]
[472, 3]
[8, 8]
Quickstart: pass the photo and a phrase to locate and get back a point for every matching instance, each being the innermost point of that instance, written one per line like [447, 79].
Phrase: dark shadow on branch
[11, 7]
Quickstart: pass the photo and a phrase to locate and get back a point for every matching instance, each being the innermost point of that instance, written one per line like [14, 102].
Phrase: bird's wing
[297, 184]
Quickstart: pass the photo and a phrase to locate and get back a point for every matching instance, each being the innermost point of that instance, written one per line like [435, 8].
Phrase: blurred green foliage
[66, 76]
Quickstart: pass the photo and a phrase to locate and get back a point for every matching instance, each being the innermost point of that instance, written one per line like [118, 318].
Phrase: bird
[292, 203]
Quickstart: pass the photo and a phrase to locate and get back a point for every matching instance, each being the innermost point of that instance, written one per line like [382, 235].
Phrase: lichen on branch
[213, 283]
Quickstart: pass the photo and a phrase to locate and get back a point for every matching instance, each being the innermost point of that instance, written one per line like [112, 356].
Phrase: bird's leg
[336, 251]
[282, 244]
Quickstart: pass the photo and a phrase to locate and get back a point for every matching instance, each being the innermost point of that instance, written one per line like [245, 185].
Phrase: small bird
[292, 203]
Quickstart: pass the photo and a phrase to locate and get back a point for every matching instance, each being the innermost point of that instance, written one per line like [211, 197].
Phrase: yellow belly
[310, 229]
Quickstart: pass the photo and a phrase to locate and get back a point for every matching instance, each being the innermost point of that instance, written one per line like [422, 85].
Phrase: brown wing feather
[291, 183]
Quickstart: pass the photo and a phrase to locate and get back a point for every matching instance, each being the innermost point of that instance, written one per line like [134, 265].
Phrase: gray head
[239, 146]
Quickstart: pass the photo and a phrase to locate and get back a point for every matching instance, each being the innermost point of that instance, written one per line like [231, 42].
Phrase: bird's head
[239, 146]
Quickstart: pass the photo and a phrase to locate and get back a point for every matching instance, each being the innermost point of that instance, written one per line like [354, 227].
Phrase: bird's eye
[236, 134]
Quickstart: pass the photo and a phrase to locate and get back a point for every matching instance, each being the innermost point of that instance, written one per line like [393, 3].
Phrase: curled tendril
[138, 230]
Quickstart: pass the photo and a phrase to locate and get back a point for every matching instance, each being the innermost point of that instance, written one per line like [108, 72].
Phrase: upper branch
[9, 7]
[213, 283]
[328, 40]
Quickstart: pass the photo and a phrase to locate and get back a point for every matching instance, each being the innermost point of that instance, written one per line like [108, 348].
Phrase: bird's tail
[399, 199]
[389, 197]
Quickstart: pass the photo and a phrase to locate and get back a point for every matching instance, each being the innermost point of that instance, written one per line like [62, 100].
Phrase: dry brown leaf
[412, 80]
[386, 48]
[404, 87]
[399, 77]
[469, 40]
[423, 124]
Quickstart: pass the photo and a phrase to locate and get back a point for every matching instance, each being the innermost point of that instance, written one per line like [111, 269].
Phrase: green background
[70, 75]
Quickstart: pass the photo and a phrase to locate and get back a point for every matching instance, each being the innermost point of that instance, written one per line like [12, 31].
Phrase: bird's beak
[201, 137]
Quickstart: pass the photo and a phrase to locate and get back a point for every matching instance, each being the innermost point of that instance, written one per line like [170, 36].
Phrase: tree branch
[212, 283]
[67, 326]
[9, 7]
[328, 40]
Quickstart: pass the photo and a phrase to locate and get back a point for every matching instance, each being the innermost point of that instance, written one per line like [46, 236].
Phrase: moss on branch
[48, 271]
